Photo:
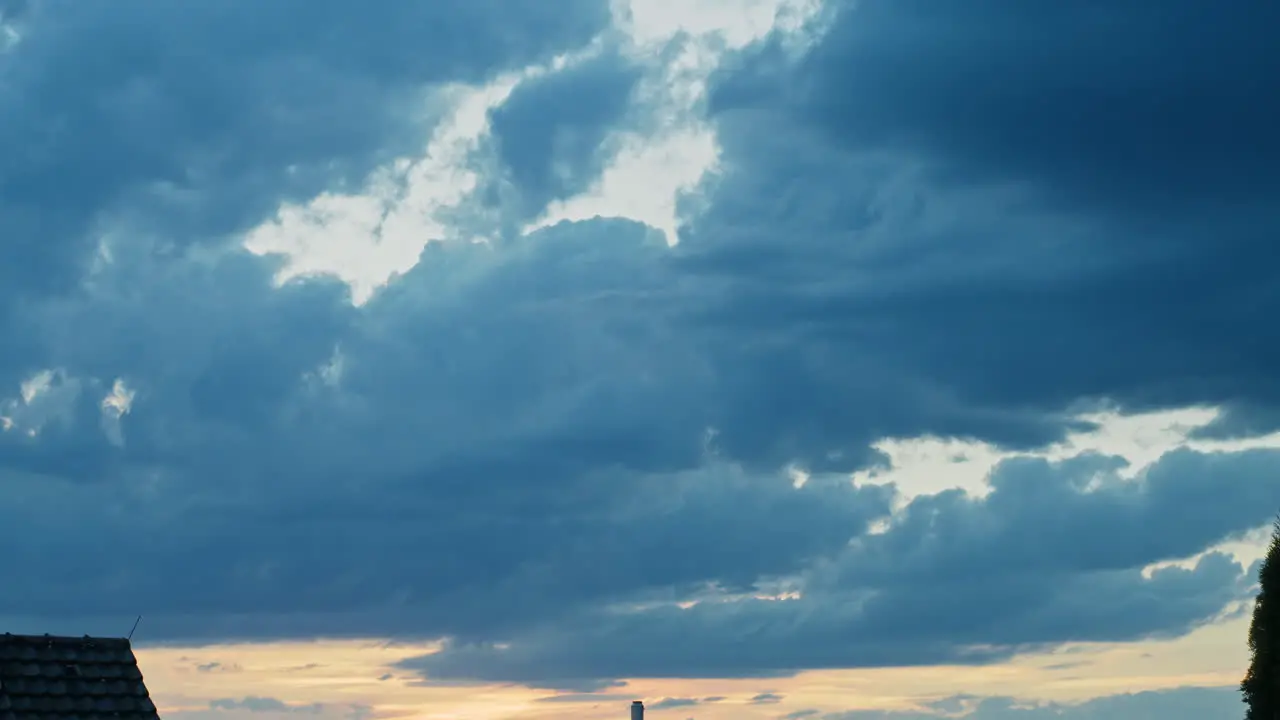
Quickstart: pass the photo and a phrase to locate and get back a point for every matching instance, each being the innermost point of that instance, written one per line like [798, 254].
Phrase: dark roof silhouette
[43, 677]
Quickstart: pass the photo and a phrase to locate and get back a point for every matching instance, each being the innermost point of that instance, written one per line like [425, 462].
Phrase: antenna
[135, 627]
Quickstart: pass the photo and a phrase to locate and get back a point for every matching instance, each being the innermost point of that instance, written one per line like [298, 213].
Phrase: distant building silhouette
[637, 710]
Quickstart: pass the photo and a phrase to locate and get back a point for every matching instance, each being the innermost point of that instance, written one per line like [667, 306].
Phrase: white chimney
[637, 710]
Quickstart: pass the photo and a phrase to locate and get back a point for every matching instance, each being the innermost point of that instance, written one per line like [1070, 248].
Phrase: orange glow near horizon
[349, 674]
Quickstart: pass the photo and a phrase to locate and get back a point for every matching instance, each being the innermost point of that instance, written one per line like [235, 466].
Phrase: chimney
[637, 710]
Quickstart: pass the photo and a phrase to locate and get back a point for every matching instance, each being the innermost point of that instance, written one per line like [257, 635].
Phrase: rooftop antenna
[135, 627]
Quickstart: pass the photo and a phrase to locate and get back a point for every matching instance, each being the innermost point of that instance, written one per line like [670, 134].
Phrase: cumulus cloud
[1090, 227]
[1070, 577]
[572, 453]
[189, 124]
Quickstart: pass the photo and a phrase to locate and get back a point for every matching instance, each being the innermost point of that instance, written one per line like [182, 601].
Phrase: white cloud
[928, 465]
[115, 405]
[368, 238]
[736, 22]
[652, 169]
[44, 397]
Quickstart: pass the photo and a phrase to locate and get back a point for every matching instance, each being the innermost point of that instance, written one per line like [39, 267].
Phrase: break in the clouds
[580, 453]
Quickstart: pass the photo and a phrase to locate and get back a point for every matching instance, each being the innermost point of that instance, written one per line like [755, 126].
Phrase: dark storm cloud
[1051, 201]
[552, 518]
[1115, 106]
[1071, 516]
[190, 122]
[1065, 96]
[234, 351]
[549, 441]
[1075, 577]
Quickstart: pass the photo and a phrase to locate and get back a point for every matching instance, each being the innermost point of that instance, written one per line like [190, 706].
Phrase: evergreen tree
[1261, 685]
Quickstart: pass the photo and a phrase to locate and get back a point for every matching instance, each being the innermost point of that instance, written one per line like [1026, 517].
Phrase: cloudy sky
[803, 359]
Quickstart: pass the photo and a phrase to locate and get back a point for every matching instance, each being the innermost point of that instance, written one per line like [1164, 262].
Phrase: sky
[765, 359]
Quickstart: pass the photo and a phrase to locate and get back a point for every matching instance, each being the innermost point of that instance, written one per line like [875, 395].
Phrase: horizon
[764, 359]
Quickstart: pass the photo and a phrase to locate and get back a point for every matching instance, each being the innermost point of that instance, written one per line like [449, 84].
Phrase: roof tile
[67, 678]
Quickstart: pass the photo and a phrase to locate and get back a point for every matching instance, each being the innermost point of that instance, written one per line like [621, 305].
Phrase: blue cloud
[1175, 704]
[551, 128]
[189, 124]
[1091, 225]
[876, 602]
[545, 443]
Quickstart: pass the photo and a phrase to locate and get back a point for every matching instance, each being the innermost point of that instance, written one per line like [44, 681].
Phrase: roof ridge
[61, 638]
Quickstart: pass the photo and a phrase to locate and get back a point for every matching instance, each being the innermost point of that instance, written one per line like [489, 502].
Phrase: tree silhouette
[1261, 684]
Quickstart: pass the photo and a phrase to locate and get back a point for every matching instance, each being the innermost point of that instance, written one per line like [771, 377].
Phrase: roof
[43, 677]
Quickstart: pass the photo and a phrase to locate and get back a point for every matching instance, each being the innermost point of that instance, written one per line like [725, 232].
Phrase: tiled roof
[64, 678]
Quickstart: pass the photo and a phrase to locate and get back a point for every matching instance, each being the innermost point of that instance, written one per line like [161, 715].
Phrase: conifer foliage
[1261, 684]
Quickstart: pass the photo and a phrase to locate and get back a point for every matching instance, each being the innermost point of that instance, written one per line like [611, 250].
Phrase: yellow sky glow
[347, 672]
